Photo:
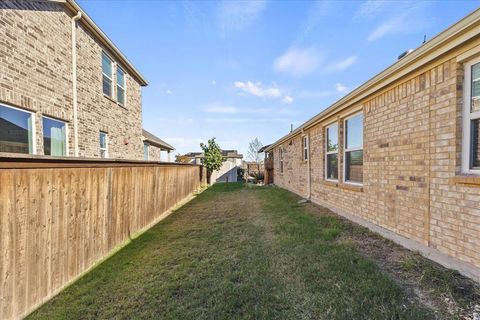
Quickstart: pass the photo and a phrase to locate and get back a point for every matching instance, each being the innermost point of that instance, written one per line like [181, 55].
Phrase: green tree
[213, 158]
[182, 159]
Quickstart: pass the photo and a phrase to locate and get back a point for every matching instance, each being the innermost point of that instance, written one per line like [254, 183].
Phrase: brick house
[65, 88]
[232, 161]
[401, 153]
[153, 147]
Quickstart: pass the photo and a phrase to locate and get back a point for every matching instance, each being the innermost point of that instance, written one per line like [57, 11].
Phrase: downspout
[74, 82]
[309, 176]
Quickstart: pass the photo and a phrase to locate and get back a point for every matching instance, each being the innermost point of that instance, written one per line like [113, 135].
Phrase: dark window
[475, 152]
[16, 133]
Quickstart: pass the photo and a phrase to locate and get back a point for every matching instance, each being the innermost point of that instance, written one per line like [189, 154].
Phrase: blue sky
[240, 70]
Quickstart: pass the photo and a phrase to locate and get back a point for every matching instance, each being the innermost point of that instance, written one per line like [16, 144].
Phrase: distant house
[66, 89]
[229, 169]
[153, 147]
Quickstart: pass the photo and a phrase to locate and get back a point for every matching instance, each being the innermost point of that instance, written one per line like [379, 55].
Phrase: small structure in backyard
[154, 146]
[228, 171]
[401, 153]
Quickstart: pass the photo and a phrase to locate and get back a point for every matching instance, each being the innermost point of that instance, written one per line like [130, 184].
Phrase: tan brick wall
[36, 75]
[412, 150]
[154, 153]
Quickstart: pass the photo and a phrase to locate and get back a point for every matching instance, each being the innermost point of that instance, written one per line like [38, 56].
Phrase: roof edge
[425, 53]
[95, 29]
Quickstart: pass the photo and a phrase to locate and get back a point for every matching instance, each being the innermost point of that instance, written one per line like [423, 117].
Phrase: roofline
[164, 146]
[456, 34]
[95, 29]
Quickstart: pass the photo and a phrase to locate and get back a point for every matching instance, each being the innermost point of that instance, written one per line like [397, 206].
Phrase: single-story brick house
[65, 88]
[401, 153]
[153, 147]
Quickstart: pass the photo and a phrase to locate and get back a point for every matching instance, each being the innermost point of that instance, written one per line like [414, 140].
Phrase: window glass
[107, 67]
[354, 132]
[305, 148]
[54, 137]
[332, 138]
[332, 166]
[107, 73]
[475, 150]
[475, 104]
[354, 166]
[120, 86]
[15, 131]
[145, 151]
[103, 145]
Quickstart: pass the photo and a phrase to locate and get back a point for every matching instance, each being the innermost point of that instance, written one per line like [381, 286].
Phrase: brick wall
[412, 153]
[36, 75]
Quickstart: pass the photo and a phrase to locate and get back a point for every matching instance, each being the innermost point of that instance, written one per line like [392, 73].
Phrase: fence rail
[59, 217]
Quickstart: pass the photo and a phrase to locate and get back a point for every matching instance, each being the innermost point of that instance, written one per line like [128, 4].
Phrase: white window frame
[106, 144]
[345, 150]
[331, 152]
[467, 119]
[306, 147]
[109, 76]
[124, 87]
[34, 132]
[67, 149]
[281, 159]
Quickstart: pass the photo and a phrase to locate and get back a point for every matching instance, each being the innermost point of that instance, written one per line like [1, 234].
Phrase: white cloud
[370, 8]
[340, 87]
[238, 15]
[403, 17]
[298, 62]
[258, 89]
[287, 99]
[317, 11]
[341, 65]
[393, 25]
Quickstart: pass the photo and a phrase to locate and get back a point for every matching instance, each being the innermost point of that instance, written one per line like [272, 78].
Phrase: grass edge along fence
[60, 217]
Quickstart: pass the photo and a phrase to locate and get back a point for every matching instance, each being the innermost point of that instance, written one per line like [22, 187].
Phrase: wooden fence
[59, 217]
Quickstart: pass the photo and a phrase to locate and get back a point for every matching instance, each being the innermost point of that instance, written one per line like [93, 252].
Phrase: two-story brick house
[401, 153]
[65, 88]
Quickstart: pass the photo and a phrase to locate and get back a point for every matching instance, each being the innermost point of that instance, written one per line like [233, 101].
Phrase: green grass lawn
[240, 252]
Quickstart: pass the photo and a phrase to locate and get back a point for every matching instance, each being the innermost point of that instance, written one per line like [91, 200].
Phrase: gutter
[103, 38]
[460, 32]
[74, 82]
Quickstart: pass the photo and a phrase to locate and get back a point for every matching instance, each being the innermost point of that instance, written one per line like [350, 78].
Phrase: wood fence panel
[57, 219]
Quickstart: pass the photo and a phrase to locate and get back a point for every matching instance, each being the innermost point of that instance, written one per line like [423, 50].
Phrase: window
[120, 86]
[107, 75]
[54, 137]
[471, 119]
[146, 148]
[16, 131]
[331, 152]
[305, 148]
[353, 154]
[103, 145]
[281, 159]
